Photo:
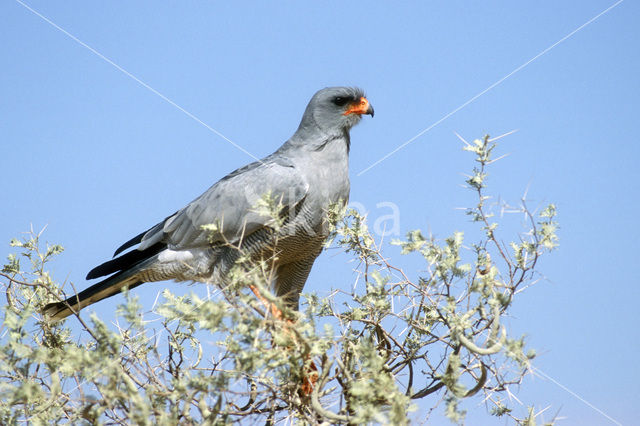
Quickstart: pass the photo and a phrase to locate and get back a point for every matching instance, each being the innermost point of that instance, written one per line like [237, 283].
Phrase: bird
[307, 174]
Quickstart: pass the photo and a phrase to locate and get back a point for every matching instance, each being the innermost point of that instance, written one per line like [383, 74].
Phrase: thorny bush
[436, 336]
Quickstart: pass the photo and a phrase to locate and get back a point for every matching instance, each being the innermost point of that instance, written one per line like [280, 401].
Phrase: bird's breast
[327, 172]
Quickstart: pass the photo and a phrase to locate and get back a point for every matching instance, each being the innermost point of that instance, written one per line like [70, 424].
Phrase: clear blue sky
[97, 157]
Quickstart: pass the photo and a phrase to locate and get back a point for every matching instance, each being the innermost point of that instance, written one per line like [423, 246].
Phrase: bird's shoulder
[268, 165]
[231, 203]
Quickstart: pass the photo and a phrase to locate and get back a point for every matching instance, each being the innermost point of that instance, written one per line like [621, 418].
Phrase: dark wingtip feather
[95, 272]
[132, 242]
[138, 238]
[125, 261]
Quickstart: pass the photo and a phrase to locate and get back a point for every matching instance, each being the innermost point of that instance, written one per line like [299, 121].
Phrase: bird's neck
[311, 137]
[326, 169]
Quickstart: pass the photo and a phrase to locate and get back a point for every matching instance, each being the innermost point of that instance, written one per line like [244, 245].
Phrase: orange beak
[360, 107]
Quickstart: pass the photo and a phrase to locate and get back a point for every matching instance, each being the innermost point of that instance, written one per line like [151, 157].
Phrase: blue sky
[98, 157]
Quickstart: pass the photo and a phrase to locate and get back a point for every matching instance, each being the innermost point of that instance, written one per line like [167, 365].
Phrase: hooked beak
[361, 106]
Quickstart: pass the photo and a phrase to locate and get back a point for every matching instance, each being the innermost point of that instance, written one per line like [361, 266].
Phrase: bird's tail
[108, 287]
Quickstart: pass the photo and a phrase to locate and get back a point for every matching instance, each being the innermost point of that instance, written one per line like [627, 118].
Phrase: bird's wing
[232, 205]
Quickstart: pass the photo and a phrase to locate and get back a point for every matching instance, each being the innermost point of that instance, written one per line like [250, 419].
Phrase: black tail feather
[106, 288]
[125, 261]
[100, 286]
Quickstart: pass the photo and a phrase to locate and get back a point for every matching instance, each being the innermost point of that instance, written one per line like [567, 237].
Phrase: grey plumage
[306, 175]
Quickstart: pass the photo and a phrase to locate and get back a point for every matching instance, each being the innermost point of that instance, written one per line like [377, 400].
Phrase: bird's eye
[339, 101]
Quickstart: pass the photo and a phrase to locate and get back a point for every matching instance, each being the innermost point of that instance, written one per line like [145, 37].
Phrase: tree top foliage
[363, 355]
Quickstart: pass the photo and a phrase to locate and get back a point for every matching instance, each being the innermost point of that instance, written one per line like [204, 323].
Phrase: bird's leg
[310, 374]
[309, 378]
[275, 311]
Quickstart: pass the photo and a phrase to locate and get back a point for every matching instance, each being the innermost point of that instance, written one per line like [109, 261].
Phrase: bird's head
[333, 110]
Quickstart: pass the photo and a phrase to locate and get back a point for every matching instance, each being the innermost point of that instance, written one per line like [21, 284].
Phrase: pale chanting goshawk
[307, 174]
